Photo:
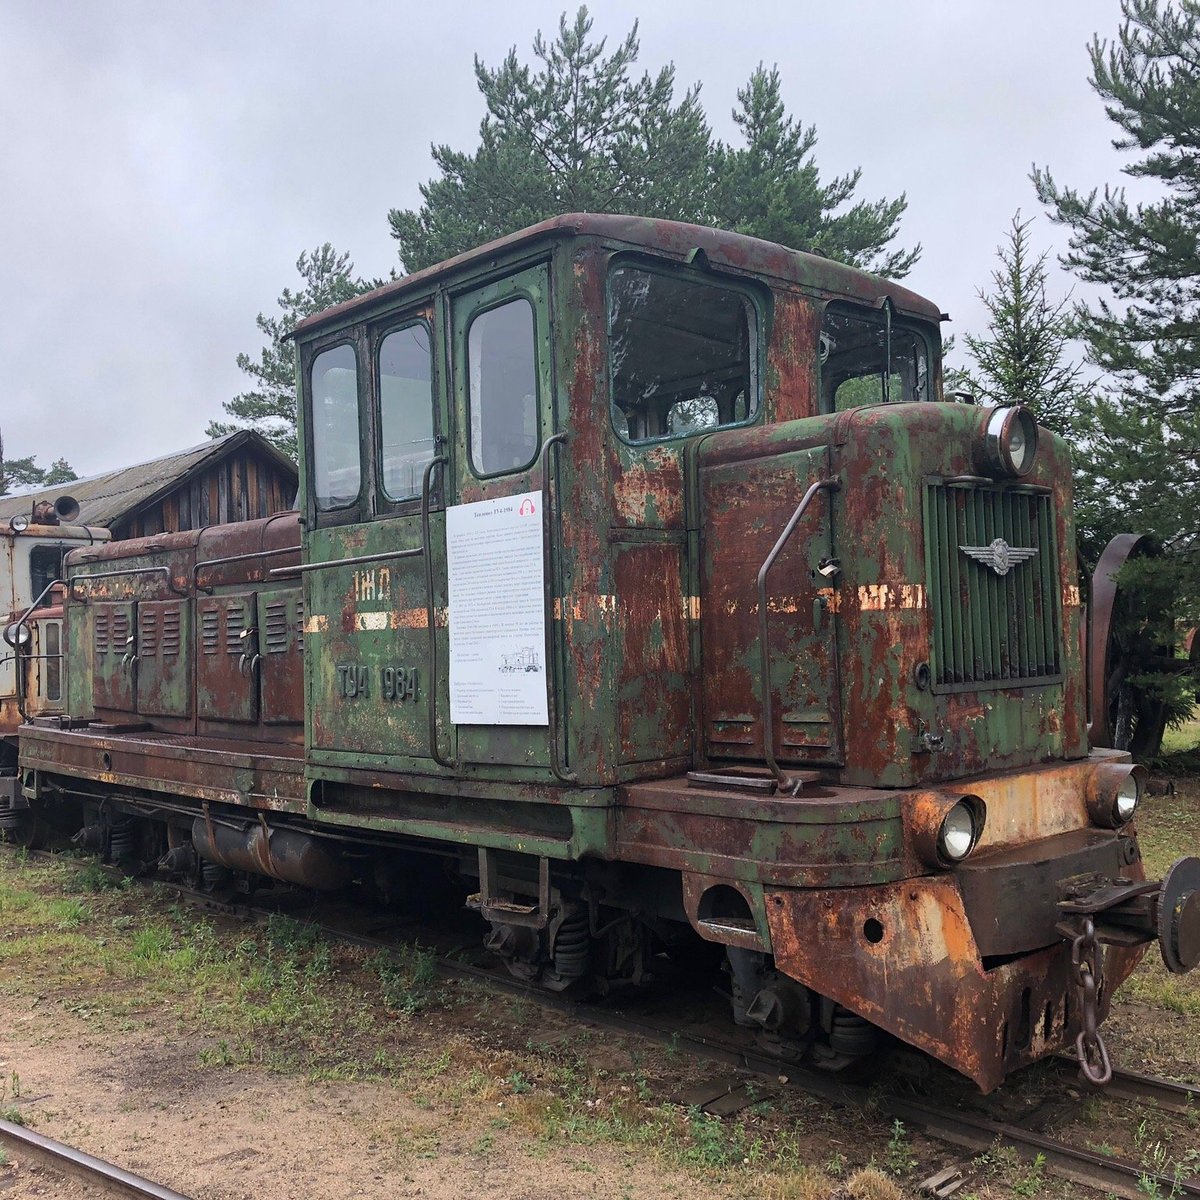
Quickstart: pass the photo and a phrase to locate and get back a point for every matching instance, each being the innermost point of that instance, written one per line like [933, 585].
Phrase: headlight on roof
[1010, 441]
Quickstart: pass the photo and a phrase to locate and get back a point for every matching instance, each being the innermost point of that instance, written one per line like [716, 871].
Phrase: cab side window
[502, 387]
[405, 410]
[333, 392]
[683, 354]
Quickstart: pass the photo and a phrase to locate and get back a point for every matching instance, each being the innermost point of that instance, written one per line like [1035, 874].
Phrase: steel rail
[1111, 1174]
[83, 1166]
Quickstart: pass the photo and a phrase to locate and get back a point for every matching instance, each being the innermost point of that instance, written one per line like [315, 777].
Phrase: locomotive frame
[812, 644]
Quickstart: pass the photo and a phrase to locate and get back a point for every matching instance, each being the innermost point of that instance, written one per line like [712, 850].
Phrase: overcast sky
[163, 164]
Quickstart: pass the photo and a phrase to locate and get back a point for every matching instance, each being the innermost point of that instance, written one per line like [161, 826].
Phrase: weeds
[408, 979]
[900, 1158]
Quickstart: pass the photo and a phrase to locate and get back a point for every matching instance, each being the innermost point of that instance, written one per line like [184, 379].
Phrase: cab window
[502, 387]
[45, 566]
[869, 357]
[405, 410]
[337, 472]
[683, 354]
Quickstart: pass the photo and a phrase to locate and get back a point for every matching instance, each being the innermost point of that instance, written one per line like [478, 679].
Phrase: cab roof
[676, 239]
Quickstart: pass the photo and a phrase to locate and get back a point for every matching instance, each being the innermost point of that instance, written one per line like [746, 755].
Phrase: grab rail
[431, 615]
[235, 558]
[562, 774]
[786, 783]
[160, 568]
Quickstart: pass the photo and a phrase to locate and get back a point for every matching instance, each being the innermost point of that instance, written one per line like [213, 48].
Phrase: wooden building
[233, 478]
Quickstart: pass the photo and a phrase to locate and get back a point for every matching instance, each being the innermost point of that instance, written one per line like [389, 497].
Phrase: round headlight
[958, 834]
[1129, 793]
[16, 634]
[18, 524]
[1010, 441]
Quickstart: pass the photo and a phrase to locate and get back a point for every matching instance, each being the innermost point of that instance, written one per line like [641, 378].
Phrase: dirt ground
[247, 1133]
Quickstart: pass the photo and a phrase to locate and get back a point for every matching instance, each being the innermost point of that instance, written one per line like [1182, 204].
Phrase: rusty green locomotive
[642, 574]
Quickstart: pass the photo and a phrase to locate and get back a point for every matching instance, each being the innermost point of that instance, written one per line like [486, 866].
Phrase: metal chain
[1086, 968]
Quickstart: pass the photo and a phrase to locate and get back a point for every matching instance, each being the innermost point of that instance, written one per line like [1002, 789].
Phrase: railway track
[976, 1131]
[87, 1168]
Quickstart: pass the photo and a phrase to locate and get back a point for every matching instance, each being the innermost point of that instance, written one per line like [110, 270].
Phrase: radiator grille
[991, 629]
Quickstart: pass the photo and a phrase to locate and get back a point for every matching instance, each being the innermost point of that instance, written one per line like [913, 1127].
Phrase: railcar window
[52, 663]
[502, 384]
[45, 566]
[853, 354]
[683, 354]
[337, 471]
[405, 410]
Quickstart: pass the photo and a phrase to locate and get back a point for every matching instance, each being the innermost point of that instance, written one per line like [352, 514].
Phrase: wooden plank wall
[241, 487]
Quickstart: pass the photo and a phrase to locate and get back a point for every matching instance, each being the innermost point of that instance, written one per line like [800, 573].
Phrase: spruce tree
[1022, 358]
[1142, 432]
[270, 406]
[1139, 452]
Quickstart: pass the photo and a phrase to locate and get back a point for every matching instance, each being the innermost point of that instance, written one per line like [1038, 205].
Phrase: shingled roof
[106, 499]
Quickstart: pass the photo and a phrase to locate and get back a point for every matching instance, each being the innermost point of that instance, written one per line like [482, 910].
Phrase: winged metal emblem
[1000, 556]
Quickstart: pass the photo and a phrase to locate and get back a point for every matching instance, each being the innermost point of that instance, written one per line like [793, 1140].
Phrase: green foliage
[1139, 448]
[408, 978]
[25, 473]
[1141, 453]
[771, 188]
[270, 405]
[1022, 358]
[580, 132]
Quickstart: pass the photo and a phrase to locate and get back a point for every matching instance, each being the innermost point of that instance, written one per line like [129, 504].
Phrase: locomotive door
[504, 405]
[114, 638]
[366, 624]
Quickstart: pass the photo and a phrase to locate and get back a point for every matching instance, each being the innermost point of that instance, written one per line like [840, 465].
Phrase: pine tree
[771, 188]
[270, 407]
[1022, 359]
[580, 133]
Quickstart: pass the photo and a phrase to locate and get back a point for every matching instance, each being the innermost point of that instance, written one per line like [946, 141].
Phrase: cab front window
[868, 356]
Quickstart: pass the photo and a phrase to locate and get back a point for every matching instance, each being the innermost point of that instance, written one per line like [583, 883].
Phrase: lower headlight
[959, 833]
[1129, 795]
[1114, 792]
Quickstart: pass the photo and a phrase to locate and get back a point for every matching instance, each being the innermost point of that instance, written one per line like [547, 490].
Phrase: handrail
[431, 614]
[386, 556]
[786, 784]
[562, 774]
[124, 571]
[234, 558]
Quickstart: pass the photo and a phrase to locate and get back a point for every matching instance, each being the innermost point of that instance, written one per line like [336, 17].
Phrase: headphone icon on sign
[526, 509]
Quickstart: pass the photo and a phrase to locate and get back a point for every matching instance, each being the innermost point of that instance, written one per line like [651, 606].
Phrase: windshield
[856, 367]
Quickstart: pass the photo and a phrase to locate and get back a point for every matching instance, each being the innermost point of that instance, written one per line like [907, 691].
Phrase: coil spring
[122, 845]
[573, 946]
[851, 1034]
[213, 875]
[9, 820]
